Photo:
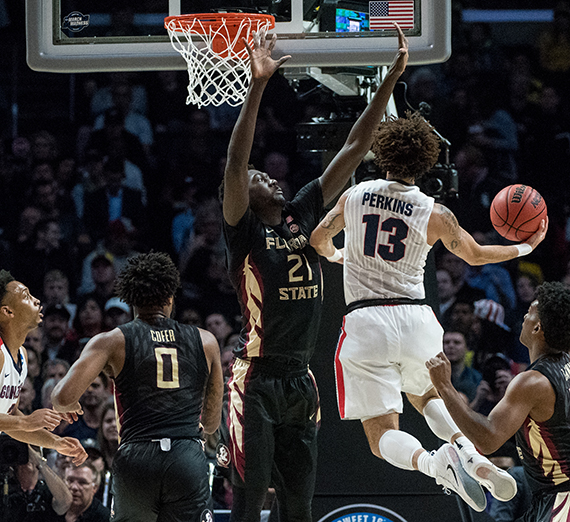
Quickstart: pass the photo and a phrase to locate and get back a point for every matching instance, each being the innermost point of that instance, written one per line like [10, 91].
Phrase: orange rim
[215, 20]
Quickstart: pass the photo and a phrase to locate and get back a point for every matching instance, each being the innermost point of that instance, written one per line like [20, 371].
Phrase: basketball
[516, 212]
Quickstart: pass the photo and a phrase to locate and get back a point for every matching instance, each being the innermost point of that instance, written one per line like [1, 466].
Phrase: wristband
[336, 256]
[524, 249]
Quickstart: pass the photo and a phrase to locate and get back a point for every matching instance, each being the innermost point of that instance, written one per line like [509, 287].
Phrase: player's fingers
[247, 46]
[272, 40]
[282, 60]
[402, 40]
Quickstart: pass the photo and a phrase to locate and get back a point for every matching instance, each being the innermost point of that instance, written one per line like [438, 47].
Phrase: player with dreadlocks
[389, 332]
[168, 389]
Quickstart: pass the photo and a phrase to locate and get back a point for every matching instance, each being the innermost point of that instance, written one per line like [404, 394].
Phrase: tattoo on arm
[329, 221]
[329, 227]
[452, 226]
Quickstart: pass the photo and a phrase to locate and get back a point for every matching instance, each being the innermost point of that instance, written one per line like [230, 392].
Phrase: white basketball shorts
[381, 352]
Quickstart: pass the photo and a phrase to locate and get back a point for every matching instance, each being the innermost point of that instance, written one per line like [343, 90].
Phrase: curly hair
[5, 278]
[554, 313]
[405, 147]
[148, 280]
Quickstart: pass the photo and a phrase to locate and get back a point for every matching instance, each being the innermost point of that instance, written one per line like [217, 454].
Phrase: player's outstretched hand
[72, 448]
[401, 60]
[539, 235]
[439, 369]
[42, 418]
[262, 65]
[70, 416]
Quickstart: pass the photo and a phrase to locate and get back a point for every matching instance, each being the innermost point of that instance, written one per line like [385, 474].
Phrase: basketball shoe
[497, 481]
[450, 474]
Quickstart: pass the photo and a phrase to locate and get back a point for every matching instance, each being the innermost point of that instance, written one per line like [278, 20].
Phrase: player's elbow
[315, 241]
[488, 445]
[211, 425]
[60, 398]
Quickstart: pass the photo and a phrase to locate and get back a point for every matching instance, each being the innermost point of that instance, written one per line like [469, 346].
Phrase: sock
[439, 420]
[464, 444]
[398, 448]
[424, 464]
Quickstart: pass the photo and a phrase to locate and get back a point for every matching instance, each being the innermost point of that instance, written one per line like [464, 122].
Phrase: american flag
[384, 12]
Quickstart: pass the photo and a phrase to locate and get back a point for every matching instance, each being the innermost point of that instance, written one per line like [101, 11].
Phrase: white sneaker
[499, 483]
[451, 475]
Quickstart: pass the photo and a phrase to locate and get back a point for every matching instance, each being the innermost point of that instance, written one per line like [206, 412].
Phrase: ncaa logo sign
[362, 513]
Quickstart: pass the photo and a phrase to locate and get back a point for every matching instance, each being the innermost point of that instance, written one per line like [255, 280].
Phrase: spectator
[108, 442]
[27, 396]
[496, 375]
[92, 401]
[56, 343]
[187, 314]
[54, 369]
[56, 291]
[83, 482]
[35, 500]
[183, 221]
[220, 326]
[103, 274]
[108, 436]
[44, 251]
[465, 379]
[117, 246]
[446, 293]
[113, 201]
[457, 269]
[116, 312]
[526, 285]
[89, 320]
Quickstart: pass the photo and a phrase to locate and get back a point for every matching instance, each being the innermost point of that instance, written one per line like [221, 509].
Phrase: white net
[218, 62]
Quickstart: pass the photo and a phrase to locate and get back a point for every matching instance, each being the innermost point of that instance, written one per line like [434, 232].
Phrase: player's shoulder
[531, 384]
[108, 340]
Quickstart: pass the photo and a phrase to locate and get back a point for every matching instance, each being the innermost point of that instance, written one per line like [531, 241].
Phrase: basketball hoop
[218, 62]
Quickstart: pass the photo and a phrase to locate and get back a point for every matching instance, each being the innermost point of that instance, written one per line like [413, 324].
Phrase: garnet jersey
[12, 378]
[544, 447]
[159, 391]
[277, 277]
[386, 241]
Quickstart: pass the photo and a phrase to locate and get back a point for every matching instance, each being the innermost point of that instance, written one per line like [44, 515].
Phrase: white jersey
[12, 378]
[385, 241]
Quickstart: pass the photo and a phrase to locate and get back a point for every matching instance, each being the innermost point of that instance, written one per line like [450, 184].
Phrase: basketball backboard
[129, 35]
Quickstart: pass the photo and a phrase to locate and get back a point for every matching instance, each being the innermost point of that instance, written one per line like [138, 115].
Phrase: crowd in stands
[142, 172]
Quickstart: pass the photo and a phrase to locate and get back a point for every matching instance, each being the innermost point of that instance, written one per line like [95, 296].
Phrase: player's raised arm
[236, 180]
[329, 227]
[360, 138]
[444, 225]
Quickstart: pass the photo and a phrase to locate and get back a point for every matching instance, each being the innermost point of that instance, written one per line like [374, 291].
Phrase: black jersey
[277, 277]
[544, 447]
[160, 388]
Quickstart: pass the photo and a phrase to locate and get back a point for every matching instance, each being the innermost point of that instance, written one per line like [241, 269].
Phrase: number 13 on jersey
[395, 249]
